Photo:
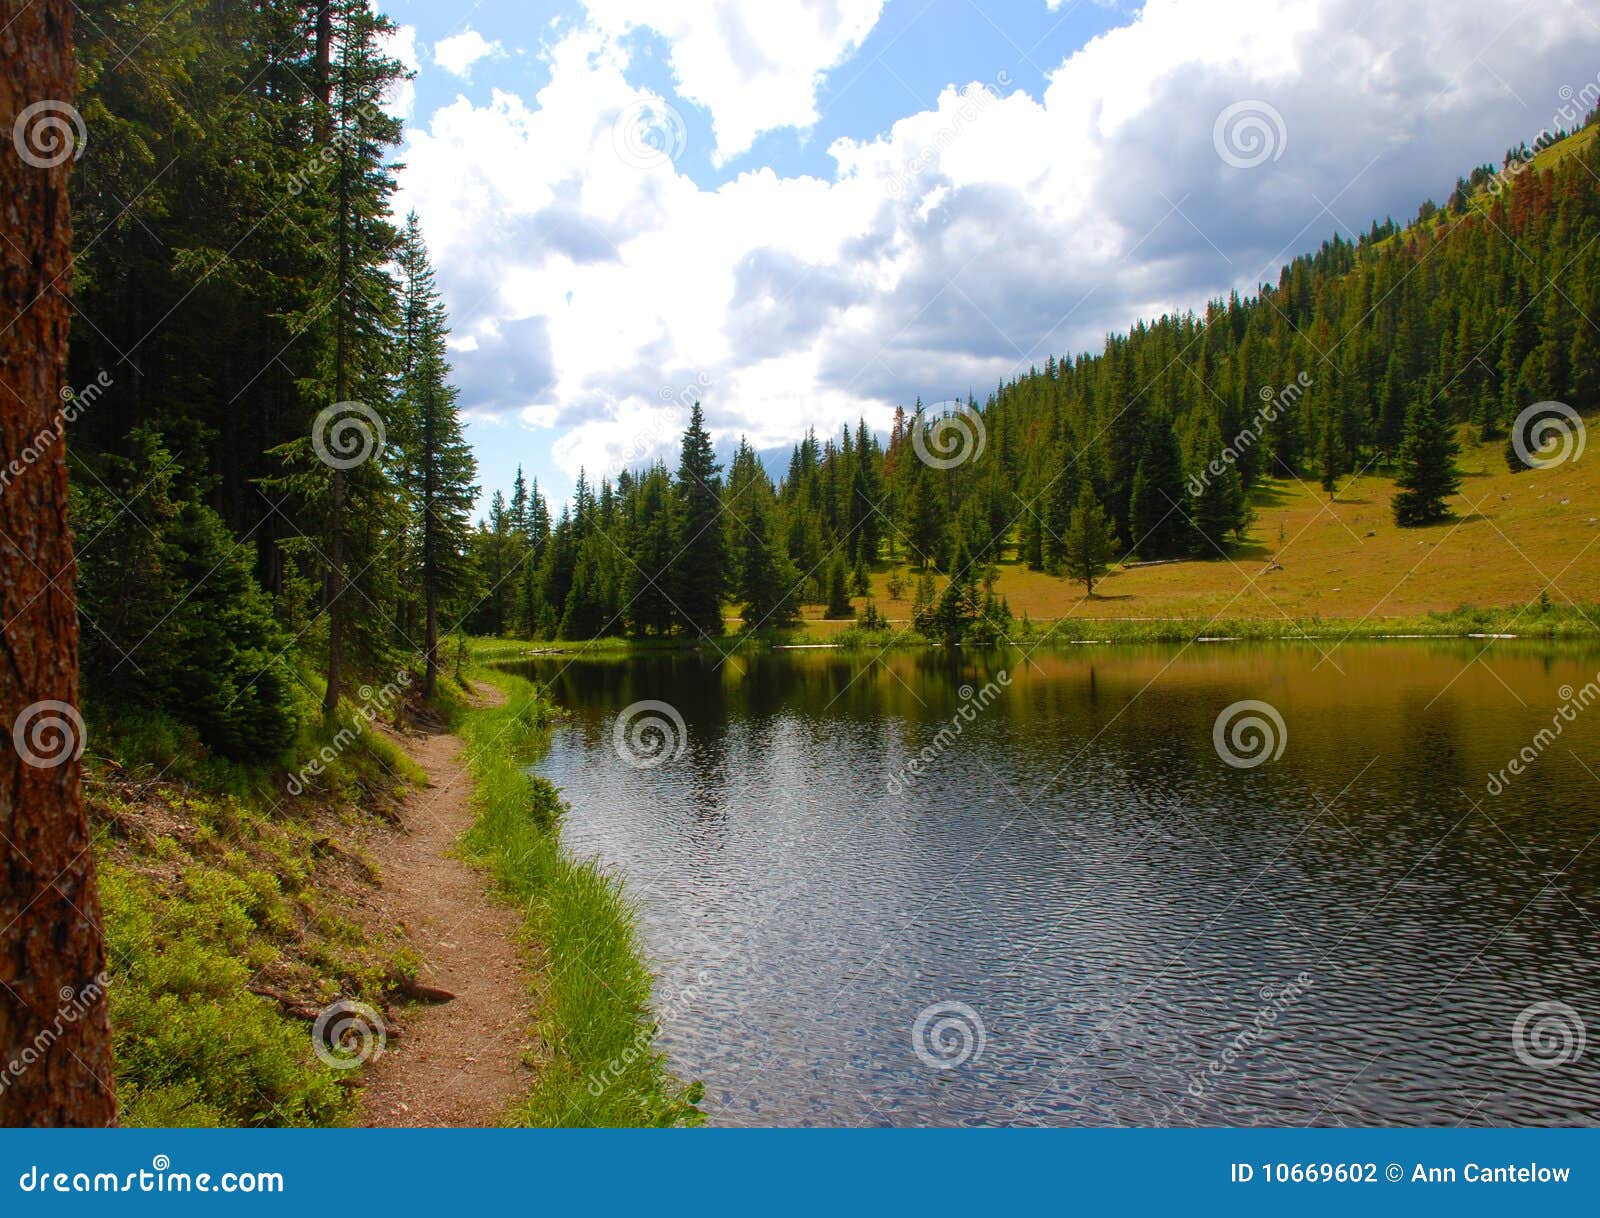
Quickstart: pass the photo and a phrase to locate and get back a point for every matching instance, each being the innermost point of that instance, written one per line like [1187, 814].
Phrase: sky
[804, 212]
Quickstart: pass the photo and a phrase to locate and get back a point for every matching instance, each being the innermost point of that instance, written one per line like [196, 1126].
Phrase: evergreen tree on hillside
[925, 514]
[1090, 544]
[1156, 510]
[767, 579]
[1333, 460]
[651, 546]
[1427, 476]
[699, 568]
[838, 587]
[1219, 508]
[1059, 498]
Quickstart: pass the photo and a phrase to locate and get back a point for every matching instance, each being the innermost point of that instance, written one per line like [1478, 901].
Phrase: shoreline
[1522, 624]
[594, 1056]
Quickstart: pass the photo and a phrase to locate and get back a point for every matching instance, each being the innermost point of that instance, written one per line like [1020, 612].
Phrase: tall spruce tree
[1090, 542]
[1427, 476]
[440, 467]
[699, 567]
[1157, 515]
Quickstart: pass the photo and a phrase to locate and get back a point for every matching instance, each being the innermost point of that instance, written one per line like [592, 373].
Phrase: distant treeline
[1366, 354]
[272, 492]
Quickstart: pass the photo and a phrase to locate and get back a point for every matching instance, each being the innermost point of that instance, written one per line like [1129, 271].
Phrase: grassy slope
[597, 1063]
[226, 901]
[1514, 536]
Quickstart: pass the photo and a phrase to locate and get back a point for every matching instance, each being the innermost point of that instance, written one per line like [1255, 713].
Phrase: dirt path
[459, 1062]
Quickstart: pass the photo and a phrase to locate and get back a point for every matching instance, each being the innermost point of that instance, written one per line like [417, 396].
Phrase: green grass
[216, 884]
[597, 1065]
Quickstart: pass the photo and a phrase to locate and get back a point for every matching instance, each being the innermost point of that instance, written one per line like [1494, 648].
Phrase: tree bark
[55, 1041]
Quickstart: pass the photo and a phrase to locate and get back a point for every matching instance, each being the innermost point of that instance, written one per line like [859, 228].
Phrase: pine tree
[1427, 476]
[1333, 461]
[1090, 544]
[767, 579]
[362, 240]
[838, 587]
[1156, 509]
[440, 466]
[860, 581]
[925, 515]
[699, 569]
[1219, 507]
[50, 901]
[651, 546]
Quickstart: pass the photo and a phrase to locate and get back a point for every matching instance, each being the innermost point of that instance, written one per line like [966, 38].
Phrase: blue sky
[809, 211]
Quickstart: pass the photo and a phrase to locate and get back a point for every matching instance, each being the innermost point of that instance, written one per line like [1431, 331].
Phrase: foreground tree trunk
[55, 1042]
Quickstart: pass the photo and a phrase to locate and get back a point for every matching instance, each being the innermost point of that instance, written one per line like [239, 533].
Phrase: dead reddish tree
[55, 1041]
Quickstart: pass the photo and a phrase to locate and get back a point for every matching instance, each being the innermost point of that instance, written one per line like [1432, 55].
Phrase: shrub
[173, 619]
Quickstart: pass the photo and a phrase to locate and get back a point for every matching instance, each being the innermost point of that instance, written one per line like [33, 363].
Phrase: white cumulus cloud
[593, 298]
[457, 53]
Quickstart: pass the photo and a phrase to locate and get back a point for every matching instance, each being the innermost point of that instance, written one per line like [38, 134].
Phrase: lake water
[1080, 912]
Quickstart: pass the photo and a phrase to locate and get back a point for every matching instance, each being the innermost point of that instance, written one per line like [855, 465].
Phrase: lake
[947, 888]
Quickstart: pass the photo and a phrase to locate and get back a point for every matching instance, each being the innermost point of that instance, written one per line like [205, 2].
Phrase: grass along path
[462, 1062]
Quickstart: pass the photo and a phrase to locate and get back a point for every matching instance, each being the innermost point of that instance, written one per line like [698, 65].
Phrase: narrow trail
[458, 1063]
